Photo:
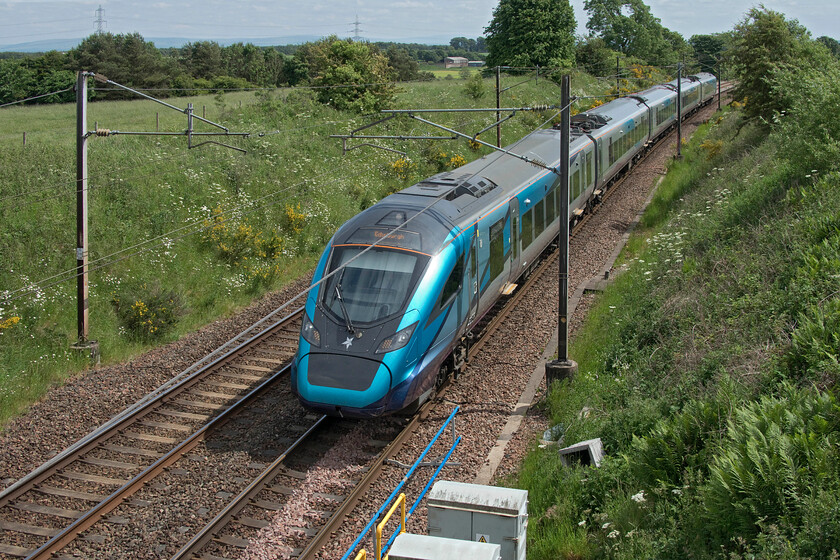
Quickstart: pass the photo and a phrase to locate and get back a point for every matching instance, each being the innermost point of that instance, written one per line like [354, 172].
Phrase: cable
[93, 265]
[36, 97]
[72, 273]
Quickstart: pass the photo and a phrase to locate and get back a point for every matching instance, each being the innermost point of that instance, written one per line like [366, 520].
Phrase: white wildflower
[638, 498]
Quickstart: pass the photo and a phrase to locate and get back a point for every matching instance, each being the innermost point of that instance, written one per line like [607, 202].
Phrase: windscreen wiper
[341, 303]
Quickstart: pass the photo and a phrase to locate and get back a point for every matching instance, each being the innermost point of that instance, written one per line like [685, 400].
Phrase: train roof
[453, 199]
[655, 95]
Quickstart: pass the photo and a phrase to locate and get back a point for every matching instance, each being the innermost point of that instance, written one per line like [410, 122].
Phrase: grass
[260, 219]
[692, 373]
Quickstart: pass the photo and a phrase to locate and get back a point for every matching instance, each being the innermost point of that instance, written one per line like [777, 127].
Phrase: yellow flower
[9, 323]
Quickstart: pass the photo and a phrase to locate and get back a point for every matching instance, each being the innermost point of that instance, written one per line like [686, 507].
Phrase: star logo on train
[348, 343]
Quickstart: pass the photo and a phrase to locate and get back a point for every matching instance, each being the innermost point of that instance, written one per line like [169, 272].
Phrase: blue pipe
[399, 486]
[423, 493]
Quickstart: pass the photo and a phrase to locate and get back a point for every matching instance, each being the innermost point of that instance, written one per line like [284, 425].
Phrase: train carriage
[400, 286]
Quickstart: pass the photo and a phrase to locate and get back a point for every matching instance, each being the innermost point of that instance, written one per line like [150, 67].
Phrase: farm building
[455, 62]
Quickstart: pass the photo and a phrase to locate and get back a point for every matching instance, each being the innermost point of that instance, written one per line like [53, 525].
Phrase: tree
[405, 67]
[831, 44]
[766, 43]
[462, 44]
[596, 57]
[126, 59]
[707, 50]
[531, 32]
[627, 26]
[353, 76]
[202, 59]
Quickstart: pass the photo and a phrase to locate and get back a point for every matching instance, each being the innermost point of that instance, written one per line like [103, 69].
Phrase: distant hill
[169, 42]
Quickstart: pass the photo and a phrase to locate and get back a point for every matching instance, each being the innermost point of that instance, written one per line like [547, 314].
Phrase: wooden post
[204, 111]
[81, 209]
[24, 138]
[157, 122]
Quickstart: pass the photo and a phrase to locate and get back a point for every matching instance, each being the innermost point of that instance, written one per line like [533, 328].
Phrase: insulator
[102, 132]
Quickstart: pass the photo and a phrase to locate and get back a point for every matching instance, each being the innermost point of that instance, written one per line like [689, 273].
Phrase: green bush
[475, 86]
[682, 442]
[148, 312]
[815, 343]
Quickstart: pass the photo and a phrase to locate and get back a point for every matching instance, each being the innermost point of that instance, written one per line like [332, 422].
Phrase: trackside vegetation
[188, 236]
[708, 369]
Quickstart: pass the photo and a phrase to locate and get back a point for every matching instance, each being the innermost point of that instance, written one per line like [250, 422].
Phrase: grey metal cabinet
[474, 512]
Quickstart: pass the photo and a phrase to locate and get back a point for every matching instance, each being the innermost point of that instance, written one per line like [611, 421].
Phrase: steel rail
[68, 534]
[212, 528]
[359, 490]
[28, 482]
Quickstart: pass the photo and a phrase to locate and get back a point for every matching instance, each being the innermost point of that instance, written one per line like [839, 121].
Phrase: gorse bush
[255, 254]
[148, 311]
[403, 168]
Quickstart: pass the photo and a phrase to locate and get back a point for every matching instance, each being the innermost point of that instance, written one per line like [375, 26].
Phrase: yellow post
[362, 555]
[400, 502]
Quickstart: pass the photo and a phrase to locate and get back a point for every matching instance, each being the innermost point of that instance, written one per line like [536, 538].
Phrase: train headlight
[309, 333]
[396, 341]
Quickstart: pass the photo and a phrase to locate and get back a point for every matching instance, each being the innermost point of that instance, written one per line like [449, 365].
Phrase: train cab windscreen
[373, 285]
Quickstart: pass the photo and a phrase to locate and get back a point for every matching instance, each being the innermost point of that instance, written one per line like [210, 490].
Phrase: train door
[515, 249]
[473, 276]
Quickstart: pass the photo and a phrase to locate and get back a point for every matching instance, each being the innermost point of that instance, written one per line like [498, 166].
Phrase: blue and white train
[408, 278]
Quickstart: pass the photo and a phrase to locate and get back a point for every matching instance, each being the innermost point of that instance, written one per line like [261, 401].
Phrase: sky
[400, 20]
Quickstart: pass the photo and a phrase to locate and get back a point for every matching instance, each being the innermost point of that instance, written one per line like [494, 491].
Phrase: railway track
[225, 536]
[44, 512]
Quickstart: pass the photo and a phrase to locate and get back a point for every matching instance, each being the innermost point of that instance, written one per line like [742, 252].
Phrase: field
[442, 73]
[181, 237]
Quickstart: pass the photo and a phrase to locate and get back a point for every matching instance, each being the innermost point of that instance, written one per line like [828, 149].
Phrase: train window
[610, 149]
[497, 248]
[527, 228]
[453, 282]
[539, 217]
[373, 284]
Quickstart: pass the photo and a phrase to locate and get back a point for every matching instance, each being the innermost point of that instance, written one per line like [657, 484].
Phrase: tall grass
[263, 217]
[707, 369]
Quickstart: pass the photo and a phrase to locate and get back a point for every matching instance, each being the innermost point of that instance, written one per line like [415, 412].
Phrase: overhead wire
[36, 97]
[64, 276]
[396, 229]
[98, 263]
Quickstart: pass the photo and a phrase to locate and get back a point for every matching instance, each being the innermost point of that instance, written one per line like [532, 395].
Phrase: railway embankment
[707, 368]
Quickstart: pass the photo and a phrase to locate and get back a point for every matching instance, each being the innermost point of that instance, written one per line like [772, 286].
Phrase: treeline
[203, 66]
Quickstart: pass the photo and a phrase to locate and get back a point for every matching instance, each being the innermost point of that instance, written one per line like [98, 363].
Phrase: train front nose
[354, 384]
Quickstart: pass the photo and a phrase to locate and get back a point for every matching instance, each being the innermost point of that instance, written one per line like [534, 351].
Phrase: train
[400, 287]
